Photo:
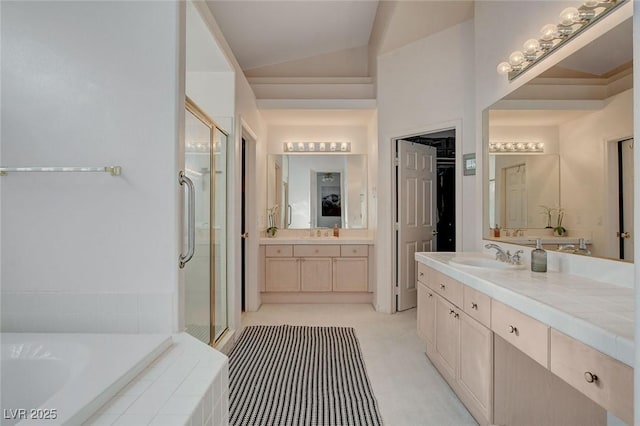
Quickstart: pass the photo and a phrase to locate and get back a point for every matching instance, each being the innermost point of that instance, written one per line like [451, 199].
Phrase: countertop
[598, 314]
[316, 240]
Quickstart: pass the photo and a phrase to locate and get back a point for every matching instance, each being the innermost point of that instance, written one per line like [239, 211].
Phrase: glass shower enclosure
[205, 175]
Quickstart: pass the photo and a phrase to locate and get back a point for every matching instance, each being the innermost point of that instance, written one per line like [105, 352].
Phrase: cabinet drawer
[279, 251]
[316, 250]
[477, 305]
[446, 287]
[353, 250]
[523, 332]
[424, 273]
[610, 381]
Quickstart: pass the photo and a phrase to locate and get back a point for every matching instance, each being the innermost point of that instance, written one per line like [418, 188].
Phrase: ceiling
[524, 117]
[268, 32]
[602, 57]
[316, 117]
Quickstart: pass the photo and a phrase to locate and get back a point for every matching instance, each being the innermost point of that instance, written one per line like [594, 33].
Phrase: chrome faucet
[501, 255]
[505, 256]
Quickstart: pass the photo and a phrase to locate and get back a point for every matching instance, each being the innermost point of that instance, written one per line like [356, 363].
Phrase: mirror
[318, 191]
[519, 185]
[580, 113]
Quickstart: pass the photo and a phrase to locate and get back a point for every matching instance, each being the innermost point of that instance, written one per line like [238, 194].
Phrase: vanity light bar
[572, 21]
[320, 147]
[497, 147]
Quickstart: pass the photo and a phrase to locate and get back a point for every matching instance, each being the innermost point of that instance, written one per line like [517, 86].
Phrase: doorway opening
[624, 232]
[425, 204]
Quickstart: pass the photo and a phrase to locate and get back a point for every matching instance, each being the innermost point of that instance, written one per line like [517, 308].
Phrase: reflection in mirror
[518, 186]
[582, 111]
[318, 191]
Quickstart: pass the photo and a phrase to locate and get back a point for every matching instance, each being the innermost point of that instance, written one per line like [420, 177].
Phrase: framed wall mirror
[559, 152]
[317, 190]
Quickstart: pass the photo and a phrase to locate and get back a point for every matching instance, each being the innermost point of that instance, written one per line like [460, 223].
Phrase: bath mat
[291, 375]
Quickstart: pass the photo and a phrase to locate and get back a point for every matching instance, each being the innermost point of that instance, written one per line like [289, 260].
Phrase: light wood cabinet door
[447, 338]
[476, 362]
[282, 274]
[426, 313]
[315, 274]
[350, 274]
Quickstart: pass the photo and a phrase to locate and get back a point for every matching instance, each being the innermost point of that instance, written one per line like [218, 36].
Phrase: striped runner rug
[292, 375]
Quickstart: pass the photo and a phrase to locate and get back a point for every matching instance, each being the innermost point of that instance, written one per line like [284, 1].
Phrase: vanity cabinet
[604, 380]
[509, 368]
[459, 346]
[323, 273]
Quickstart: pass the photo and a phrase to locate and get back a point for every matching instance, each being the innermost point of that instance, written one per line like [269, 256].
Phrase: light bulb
[548, 32]
[591, 3]
[322, 146]
[586, 14]
[300, 146]
[531, 46]
[540, 145]
[516, 58]
[332, 147]
[569, 15]
[508, 146]
[311, 146]
[343, 147]
[520, 146]
[504, 68]
[289, 146]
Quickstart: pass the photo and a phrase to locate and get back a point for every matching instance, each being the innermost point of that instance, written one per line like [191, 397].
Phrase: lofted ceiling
[263, 33]
[268, 32]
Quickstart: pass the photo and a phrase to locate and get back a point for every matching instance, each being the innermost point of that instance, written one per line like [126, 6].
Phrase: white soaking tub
[53, 379]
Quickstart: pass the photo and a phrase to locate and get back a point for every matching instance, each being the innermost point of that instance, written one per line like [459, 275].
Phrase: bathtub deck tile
[118, 405]
[133, 420]
[180, 405]
[101, 419]
[136, 387]
[170, 420]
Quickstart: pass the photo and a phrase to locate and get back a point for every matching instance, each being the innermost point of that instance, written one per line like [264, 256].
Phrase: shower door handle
[191, 219]
[289, 215]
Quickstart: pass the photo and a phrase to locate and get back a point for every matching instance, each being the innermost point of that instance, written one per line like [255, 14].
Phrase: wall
[82, 251]
[423, 87]
[585, 178]
[636, 196]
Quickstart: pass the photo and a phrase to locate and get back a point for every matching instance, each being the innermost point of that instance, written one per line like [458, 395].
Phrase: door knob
[245, 235]
[623, 234]
[434, 232]
[590, 377]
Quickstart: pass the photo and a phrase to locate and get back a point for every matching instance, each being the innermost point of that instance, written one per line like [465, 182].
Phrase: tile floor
[408, 388]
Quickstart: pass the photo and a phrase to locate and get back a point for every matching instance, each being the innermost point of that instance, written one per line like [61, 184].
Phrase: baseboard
[275, 297]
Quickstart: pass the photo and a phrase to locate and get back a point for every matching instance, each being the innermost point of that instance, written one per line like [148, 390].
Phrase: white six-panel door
[416, 215]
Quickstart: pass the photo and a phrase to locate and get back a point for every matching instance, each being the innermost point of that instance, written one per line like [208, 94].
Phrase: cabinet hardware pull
[590, 377]
[278, 251]
[451, 312]
[474, 306]
[442, 286]
[354, 250]
[430, 294]
[422, 274]
[456, 315]
[513, 329]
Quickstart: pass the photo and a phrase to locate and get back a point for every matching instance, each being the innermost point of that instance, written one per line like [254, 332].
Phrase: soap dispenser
[538, 258]
[336, 230]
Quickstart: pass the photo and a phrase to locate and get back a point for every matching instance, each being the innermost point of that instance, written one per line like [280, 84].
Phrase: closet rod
[113, 170]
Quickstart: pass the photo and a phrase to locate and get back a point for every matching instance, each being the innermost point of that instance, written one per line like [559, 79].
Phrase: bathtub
[53, 379]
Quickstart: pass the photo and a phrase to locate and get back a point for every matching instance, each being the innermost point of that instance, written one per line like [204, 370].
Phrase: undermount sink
[479, 262]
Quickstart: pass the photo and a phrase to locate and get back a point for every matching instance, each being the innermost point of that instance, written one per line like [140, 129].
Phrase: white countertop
[548, 239]
[598, 314]
[316, 240]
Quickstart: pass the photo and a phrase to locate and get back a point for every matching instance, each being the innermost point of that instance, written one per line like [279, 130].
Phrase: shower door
[205, 273]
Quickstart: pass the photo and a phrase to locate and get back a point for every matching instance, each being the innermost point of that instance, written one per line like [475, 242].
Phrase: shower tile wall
[87, 312]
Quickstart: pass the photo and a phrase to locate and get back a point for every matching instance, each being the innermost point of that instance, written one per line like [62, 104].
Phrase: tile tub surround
[187, 385]
[596, 313]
